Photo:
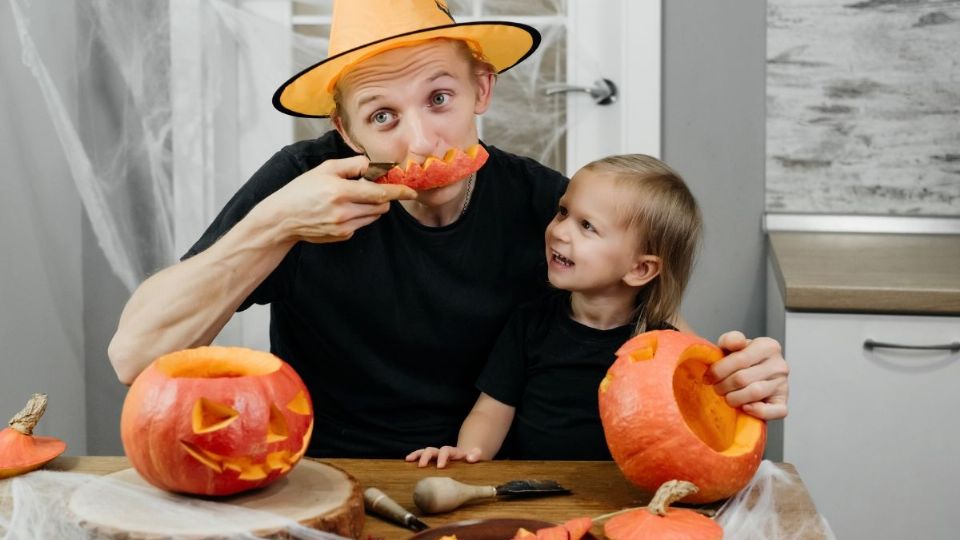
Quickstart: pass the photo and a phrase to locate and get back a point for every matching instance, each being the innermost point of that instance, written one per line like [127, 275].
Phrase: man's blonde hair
[665, 215]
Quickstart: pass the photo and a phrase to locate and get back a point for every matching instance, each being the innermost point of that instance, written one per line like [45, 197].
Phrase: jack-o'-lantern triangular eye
[300, 404]
[209, 416]
[278, 425]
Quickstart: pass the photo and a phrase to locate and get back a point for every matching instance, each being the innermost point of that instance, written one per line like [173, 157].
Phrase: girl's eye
[439, 99]
[381, 117]
[587, 225]
[561, 211]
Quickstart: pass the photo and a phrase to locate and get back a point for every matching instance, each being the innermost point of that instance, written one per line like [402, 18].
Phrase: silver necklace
[466, 200]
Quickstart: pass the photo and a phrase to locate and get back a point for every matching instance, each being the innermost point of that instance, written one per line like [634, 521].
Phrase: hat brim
[309, 93]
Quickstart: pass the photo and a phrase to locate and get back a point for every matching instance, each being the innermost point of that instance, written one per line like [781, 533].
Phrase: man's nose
[420, 135]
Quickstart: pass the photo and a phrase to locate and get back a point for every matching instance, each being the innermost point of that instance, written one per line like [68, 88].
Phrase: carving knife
[379, 503]
[376, 169]
[436, 494]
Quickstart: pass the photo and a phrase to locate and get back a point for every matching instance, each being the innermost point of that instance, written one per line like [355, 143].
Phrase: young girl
[619, 252]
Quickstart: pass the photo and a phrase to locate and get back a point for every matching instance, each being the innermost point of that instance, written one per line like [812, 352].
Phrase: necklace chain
[466, 199]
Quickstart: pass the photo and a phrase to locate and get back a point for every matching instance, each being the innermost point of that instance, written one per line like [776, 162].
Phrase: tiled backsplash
[863, 107]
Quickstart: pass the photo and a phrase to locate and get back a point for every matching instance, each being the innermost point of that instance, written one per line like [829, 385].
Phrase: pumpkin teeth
[278, 461]
[209, 416]
[204, 457]
[253, 473]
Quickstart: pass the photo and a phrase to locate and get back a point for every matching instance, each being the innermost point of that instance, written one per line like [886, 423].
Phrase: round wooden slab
[314, 494]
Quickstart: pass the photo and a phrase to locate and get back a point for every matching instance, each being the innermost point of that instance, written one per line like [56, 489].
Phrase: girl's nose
[557, 230]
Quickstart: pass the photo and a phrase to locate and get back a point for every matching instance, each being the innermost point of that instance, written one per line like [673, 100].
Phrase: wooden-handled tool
[437, 494]
[379, 503]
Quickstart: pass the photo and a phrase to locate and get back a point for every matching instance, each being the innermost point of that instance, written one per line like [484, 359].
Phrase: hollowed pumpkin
[662, 422]
[216, 420]
[436, 172]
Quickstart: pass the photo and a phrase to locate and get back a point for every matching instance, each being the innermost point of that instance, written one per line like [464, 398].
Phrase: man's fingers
[766, 411]
[756, 351]
[347, 168]
[755, 392]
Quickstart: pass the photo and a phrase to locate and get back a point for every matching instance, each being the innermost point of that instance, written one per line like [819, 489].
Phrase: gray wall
[41, 328]
[713, 134]
[714, 93]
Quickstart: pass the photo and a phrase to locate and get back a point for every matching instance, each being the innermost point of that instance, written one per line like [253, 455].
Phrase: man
[384, 299]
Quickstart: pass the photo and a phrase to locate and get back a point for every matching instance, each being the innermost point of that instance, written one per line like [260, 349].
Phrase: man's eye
[439, 99]
[381, 117]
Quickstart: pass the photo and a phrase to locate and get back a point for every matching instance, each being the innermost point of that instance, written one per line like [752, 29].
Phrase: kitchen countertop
[869, 273]
[597, 488]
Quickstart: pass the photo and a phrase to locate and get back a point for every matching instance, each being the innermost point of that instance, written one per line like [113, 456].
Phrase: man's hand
[753, 376]
[325, 205]
[443, 454]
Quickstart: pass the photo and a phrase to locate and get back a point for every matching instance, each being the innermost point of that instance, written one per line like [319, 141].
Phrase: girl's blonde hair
[665, 215]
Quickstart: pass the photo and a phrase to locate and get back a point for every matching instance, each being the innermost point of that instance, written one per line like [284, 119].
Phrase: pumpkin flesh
[437, 172]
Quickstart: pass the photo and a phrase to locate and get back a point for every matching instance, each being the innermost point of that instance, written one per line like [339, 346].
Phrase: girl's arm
[481, 435]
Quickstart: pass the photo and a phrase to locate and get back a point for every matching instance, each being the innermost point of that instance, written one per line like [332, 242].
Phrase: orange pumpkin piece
[436, 172]
[20, 450]
[578, 527]
[658, 522]
[662, 422]
[523, 534]
[216, 420]
[553, 533]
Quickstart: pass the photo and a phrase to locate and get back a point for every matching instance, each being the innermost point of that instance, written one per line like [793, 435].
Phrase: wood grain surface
[598, 488]
[868, 273]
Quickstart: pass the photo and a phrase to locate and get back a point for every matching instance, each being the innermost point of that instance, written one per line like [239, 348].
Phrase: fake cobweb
[160, 105]
[45, 505]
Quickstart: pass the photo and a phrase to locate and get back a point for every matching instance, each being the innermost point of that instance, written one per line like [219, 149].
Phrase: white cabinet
[875, 434]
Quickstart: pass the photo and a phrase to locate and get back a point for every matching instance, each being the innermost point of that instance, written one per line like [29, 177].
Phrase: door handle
[603, 91]
[870, 344]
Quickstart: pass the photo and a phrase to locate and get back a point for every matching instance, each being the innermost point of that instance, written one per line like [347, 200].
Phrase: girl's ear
[646, 268]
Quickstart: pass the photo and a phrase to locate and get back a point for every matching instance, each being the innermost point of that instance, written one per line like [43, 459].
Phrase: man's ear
[485, 81]
[645, 269]
[342, 130]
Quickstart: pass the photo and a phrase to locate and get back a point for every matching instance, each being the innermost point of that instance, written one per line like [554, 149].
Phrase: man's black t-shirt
[390, 329]
[549, 367]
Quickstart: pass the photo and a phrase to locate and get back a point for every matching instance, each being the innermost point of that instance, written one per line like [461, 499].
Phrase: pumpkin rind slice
[434, 172]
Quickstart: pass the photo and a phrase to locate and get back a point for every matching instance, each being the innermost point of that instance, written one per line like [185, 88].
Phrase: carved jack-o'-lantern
[216, 420]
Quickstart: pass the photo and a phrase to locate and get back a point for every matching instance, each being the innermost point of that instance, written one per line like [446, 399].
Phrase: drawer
[875, 431]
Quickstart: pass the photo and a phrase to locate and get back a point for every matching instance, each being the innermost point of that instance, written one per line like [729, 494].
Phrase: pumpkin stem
[25, 420]
[669, 493]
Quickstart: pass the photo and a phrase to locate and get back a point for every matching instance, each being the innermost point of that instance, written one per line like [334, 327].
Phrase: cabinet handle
[870, 344]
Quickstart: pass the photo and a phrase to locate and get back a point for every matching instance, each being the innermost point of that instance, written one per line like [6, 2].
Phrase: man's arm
[187, 304]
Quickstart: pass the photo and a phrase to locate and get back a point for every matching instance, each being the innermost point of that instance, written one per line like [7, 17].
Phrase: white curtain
[158, 109]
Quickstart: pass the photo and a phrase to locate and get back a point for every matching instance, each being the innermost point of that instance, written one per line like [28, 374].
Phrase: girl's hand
[443, 454]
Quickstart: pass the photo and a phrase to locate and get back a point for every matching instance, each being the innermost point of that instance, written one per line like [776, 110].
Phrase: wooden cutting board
[314, 494]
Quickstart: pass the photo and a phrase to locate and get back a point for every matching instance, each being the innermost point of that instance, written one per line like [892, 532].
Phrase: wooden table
[598, 488]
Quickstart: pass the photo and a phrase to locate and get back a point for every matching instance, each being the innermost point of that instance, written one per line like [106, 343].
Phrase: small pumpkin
[659, 522]
[662, 422]
[20, 450]
[216, 420]
[436, 172]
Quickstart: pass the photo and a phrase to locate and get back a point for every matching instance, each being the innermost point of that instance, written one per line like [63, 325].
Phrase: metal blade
[530, 488]
[377, 169]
